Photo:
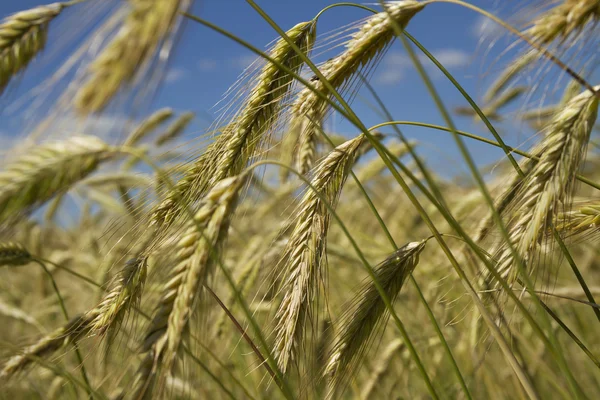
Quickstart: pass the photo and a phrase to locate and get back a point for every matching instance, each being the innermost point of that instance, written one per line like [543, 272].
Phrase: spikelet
[175, 129]
[148, 125]
[22, 37]
[74, 330]
[585, 219]
[48, 170]
[148, 24]
[374, 36]
[237, 144]
[304, 255]
[13, 254]
[563, 22]
[358, 326]
[549, 183]
[196, 251]
[124, 295]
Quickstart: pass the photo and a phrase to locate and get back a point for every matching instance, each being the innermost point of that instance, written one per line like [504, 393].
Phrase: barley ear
[148, 125]
[48, 170]
[550, 183]
[124, 295]
[74, 330]
[237, 144]
[373, 37]
[196, 252]
[13, 254]
[304, 255]
[22, 37]
[359, 325]
[146, 27]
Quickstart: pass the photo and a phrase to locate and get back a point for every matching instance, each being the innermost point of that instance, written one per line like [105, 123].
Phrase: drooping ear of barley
[373, 37]
[549, 184]
[304, 254]
[124, 295]
[48, 170]
[13, 254]
[175, 129]
[148, 24]
[74, 330]
[360, 323]
[563, 22]
[148, 125]
[22, 37]
[583, 220]
[237, 144]
[196, 254]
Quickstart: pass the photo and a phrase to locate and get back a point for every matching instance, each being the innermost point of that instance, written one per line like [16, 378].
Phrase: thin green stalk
[581, 178]
[439, 196]
[351, 118]
[576, 271]
[63, 308]
[471, 165]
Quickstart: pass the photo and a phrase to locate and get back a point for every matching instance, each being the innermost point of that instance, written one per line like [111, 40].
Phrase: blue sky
[205, 64]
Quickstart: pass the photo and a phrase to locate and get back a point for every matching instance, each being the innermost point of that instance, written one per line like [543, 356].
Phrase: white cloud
[396, 65]
[389, 76]
[175, 75]
[451, 58]
[486, 28]
[207, 64]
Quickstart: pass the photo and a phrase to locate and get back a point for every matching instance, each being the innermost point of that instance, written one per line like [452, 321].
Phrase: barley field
[268, 256]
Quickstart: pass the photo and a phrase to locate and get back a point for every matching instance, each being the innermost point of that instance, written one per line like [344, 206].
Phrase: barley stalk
[374, 36]
[304, 254]
[359, 325]
[196, 251]
[549, 183]
[48, 170]
[22, 37]
[147, 25]
[74, 330]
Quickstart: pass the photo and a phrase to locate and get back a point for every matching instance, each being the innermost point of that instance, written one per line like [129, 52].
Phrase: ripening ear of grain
[148, 125]
[237, 144]
[46, 171]
[13, 254]
[584, 220]
[22, 37]
[549, 184]
[124, 295]
[74, 330]
[358, 326]
[564, 22]
[304, 255]
[363, 48]
[197, 251]
[147, 26]
[175, 129]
